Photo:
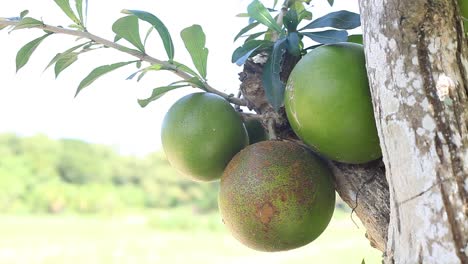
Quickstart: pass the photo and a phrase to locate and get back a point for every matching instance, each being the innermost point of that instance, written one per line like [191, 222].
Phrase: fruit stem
[140, 55]
[246, 116]
[279, 20]
[271, 129]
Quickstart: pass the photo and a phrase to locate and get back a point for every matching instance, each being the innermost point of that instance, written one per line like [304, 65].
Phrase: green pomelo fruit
[200, 134]
[355, 39]
[276, 196]
[328, 104]
[255, 130]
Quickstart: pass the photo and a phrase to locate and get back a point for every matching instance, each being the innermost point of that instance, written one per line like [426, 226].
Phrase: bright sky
[32, 101]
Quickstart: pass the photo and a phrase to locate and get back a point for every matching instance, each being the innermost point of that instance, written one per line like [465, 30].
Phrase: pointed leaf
[274, 87]
[157, 93]
[340, 20]
[254, 36]
[148, 33]
[79, 9]
[185, 68]
[194, 81]
[363, 261]
[258, 12]
[154, 67]
[159, 26]
[128, 28]
[241, 54]
[23, 55]
[64, 62]
[98, 72]
[331, 2]
[327, 36]
[246, 29]
[65, 6]
[275, 3]
[28, 22]
[194, 40]
[302, 13]
[59, 55]
[117, 38]
[24, 13]
[242, 15]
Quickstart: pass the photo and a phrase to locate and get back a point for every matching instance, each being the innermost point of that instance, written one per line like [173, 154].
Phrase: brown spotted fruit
[276, 195]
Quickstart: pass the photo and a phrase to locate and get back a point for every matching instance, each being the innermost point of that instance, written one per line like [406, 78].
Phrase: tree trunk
[417, 61]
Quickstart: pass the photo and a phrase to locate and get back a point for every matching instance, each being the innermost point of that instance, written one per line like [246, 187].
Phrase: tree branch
[140, 55]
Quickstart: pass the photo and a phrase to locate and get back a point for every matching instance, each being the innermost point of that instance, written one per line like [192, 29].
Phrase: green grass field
[157, 239]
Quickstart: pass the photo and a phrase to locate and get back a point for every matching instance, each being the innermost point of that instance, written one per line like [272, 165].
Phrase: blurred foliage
[42, 175]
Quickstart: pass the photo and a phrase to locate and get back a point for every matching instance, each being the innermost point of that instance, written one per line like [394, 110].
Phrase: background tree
[417, 67]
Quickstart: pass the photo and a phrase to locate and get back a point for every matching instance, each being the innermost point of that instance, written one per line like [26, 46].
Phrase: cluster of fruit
[277, 195]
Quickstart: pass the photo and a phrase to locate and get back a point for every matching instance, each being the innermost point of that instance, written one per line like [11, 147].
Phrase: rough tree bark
[417, 61]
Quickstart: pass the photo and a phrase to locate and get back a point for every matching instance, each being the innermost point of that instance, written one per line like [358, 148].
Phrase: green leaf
[194, 40]
[65, 6]
[79, 8]
[246, 29]
[159, 26]
[340, 20]
[148, 33]
[274, 87]
[302, 13]
[23, 55]
[154, 67]
[64, 62]
[193, 81]
[294, 46]
[24, 13]
[117, 38]
[184, 68]
[254, 36]
[241, 54]
[327, 36]
[158, 93]
[242, 15]
[98, 72]
[363, 262]
[355, 39]
[331, 2]
[128, 28]
[275, 3]
[28, 22]
[258, 12]
[59, 55]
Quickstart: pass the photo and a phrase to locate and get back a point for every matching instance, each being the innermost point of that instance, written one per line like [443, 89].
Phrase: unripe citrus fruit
[255, 130]
[200, 134]
[276, 196]
[328, 104]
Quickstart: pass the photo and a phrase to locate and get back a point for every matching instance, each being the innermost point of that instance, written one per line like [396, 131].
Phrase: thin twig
[140, 55]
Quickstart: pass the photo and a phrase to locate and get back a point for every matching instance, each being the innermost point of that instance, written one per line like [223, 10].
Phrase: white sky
[106, 112]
